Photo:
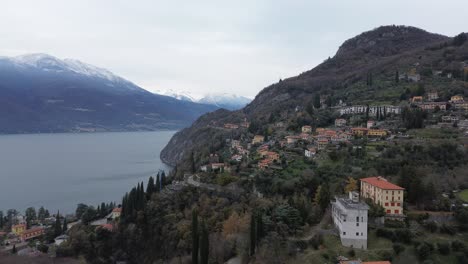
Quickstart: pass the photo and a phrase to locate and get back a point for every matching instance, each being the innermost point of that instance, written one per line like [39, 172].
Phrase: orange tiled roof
[117, 210]
[381, 183]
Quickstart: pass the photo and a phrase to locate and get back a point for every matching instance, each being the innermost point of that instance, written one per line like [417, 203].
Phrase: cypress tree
[253, 232]
[58, 225]
[150, 186]
[204, 245]
[158, 183]
[163, 179]
[259, 233]
[193, 162]
[65, 227]
[195, 237]
[1, 219]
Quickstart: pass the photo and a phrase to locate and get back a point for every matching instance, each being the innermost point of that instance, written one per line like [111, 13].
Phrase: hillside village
[363, 159]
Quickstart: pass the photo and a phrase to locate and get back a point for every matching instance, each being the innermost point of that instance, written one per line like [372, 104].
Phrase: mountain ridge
[381, 51]
[43, 94]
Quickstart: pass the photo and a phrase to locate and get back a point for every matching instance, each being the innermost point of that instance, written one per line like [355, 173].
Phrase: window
[362, 234]
[357, 218]
[344, 233]
[386, 197]
[362, 218]
[397, 211]
[357, 233]
[389, 211]
[357, 224]
[386, 204]
[393, 204]
[398, 204]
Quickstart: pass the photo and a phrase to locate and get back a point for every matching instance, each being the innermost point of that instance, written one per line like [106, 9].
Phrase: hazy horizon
[207, 47]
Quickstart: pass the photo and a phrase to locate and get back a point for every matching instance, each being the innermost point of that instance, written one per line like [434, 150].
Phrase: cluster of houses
[350, 214]
[268, 157]
[243, 124]
[215, 165]
[341, 134]
[428, 102]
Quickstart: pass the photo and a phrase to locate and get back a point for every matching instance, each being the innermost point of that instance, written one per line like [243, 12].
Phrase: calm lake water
[59, 171]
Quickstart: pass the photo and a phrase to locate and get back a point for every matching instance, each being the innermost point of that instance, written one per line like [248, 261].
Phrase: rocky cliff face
[381, 51]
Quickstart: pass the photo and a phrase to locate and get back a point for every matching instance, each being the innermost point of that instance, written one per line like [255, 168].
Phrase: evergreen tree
[253, 233]
[316, 101]
[322, 196]
[158, 183]
[103, 210]
[41, 213]
[163, 179]
[192, 159]
[13, 250]
[195, 237]
[150, 188]
[397, 76]
[65, 225]
[259, 229]
[58, 225]
[204, 244]
[2, 223]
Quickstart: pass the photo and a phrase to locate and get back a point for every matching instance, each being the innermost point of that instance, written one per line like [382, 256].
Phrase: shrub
[458, 246]
[431, 226]
[395, 224]
[447, 229]
[43, 248]
[403, 235]
[443, 247]
[398, 248]
[385, 255]
[352, 253]
[423, 251]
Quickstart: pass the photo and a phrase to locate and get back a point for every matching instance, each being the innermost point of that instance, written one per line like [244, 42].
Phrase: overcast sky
[208, 46]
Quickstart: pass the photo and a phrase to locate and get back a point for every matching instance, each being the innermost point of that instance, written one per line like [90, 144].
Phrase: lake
[58, 171]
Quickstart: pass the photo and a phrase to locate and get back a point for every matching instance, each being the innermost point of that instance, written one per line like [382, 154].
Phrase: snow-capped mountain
[221, 100]
[48, 63]
[225, 100]
[179, 95]
[41, 93]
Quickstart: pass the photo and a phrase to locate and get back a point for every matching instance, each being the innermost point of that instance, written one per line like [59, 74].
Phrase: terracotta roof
[33, 230]
[118, 209]
[377, 262]
[382, 183]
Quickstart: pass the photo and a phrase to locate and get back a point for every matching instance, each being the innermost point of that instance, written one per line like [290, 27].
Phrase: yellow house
[456, 99]
[18, 229]
[384, 193]
[258, 139]
[377, 133]
[359, 131]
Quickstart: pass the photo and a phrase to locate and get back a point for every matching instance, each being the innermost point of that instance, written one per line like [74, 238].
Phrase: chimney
[354, 196]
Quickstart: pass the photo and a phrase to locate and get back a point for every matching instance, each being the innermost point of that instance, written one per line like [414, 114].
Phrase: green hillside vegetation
[267, 202]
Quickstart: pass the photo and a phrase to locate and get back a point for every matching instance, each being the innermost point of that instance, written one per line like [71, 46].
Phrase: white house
[60, 239]
[350, 218]
[310, 152]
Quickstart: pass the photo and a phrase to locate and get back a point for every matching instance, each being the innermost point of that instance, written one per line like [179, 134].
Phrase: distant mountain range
[40, 93]
[221, 100]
